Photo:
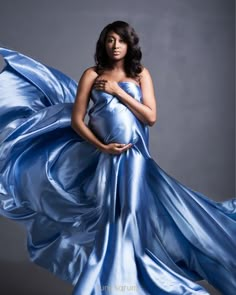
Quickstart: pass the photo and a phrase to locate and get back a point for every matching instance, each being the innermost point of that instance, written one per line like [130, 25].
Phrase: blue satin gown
[109, 224]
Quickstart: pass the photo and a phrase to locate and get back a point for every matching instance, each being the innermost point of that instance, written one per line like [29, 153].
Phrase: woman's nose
[116, 44]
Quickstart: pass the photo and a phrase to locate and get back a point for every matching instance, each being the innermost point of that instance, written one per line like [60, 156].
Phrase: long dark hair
[132, 63]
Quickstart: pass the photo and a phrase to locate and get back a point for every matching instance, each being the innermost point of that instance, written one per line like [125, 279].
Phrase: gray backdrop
[188, 46]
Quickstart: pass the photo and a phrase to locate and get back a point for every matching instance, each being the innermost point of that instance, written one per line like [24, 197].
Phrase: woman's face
[116, 48]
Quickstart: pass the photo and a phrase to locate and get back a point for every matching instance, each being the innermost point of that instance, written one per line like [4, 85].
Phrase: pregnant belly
[118, 124]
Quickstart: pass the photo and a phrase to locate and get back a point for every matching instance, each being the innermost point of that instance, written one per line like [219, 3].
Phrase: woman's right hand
[116, 148]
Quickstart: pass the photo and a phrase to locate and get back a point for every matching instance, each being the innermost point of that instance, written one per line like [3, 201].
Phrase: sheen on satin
[109, 224]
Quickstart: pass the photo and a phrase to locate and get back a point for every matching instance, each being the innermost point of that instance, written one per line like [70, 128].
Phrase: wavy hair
[132, 62]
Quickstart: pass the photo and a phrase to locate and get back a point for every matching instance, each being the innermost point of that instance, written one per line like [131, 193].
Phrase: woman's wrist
[119, 92]
[102, 147]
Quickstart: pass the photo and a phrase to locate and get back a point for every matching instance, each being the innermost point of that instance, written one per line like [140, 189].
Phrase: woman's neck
[118, 66]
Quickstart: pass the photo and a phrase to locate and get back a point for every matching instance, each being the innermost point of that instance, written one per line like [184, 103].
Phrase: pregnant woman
[98, 210]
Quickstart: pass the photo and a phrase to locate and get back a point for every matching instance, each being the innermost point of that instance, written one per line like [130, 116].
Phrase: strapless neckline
[122, 82]
[129, 82]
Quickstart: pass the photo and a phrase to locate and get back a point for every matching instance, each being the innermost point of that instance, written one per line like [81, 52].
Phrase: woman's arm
[80, 108]
[145, 111]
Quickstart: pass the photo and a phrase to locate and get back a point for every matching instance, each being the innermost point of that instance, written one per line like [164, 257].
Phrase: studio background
[189, 48]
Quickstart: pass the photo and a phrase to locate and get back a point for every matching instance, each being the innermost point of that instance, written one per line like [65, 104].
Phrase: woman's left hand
[106, 85]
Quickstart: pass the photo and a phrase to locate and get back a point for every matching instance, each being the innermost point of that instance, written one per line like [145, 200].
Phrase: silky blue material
[109, 224]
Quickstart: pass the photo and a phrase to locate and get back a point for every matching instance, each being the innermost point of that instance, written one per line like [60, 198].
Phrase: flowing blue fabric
[109, 224]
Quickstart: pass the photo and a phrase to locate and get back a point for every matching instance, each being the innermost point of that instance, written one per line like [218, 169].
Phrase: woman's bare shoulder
[89, 74]
[145, 72]
[145, 75]
[91, 71]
